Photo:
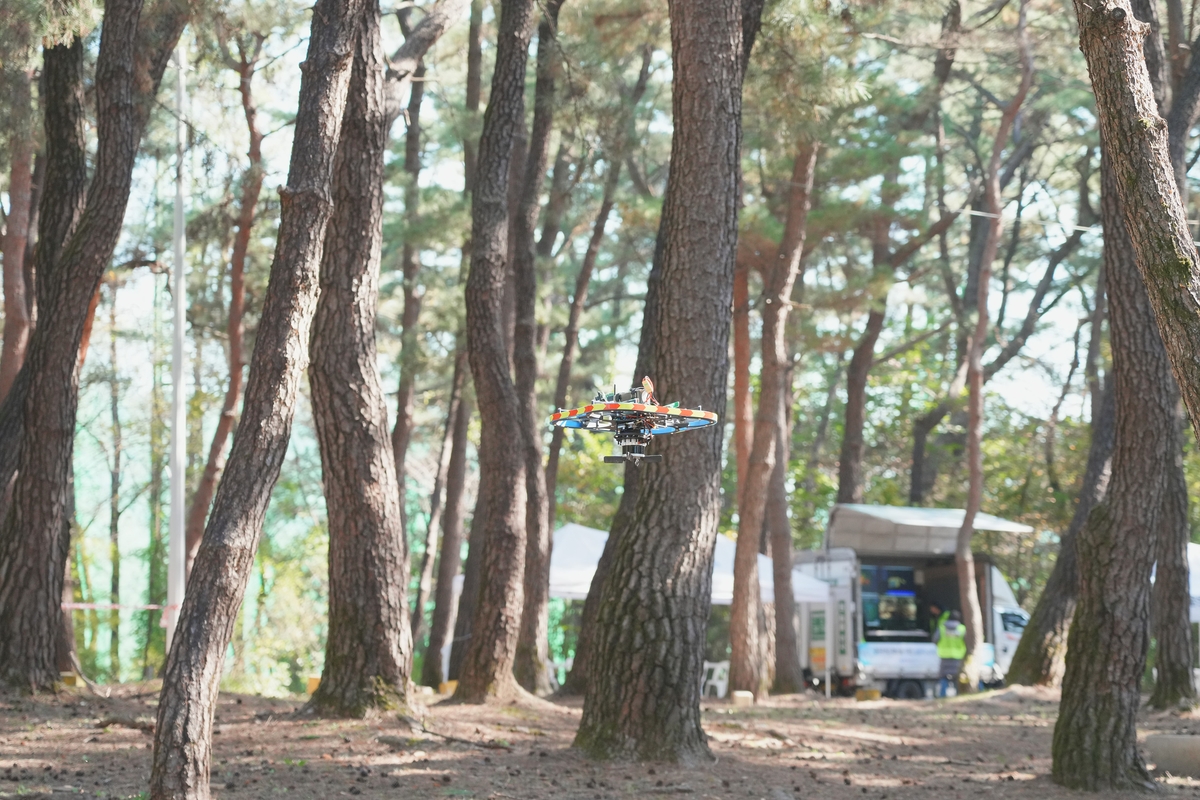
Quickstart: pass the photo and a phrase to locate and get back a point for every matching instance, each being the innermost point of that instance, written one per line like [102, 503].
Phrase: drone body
[632, 418]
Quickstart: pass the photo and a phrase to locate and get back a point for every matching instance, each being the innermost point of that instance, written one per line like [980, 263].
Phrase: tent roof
[577, 550]
[905, 530]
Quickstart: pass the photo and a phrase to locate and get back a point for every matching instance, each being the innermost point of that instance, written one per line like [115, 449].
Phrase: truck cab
[887, 566]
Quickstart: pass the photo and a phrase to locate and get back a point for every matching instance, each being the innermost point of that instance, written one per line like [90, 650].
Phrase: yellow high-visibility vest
[952, 645]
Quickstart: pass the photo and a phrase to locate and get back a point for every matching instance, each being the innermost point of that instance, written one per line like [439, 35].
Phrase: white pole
[177, 544]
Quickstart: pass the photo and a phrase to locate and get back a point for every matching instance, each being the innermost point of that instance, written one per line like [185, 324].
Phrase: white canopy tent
[577, 550]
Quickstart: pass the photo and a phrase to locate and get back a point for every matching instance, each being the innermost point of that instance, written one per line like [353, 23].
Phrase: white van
[886, 565]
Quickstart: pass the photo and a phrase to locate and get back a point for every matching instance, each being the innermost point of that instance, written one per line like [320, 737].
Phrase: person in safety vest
[951, 639]
[936, 617]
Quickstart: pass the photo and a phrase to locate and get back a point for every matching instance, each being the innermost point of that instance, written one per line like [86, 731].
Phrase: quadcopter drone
[632, 418]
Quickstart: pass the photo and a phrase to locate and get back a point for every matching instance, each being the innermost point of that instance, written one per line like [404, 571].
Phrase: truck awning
[905, 530]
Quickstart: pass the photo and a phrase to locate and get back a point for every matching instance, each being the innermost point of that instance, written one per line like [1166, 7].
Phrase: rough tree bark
[770, 428]
[369, 650]
[964, 557]
[16, 234]
[530, 662]
[487, 666]
[128, 69]
[60, 206]
[1039, 658]
[1095, 738]
[444, 601]
[642, 696]
[252, 180]
[436, 506]
[183, 733]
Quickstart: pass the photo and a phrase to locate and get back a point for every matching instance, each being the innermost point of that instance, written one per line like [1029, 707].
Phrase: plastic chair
[716, 678]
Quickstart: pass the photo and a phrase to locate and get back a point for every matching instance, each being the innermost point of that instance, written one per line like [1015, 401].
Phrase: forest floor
[993, 745]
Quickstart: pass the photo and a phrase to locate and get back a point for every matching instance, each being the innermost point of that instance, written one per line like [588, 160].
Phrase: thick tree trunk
[183, 734]
[655, 600]
[445, 602]
[252, 181]
[20, 190]
[1111, 40]
[500, 518]
[468, 599]
[369, 649]
[436, 506]
[1095, 739]
[850, 470]
[31, 556]
[530, 663]
[1041, 653]
[770, 428]
[61, 204]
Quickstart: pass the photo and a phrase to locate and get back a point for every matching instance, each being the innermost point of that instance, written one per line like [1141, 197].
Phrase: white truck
[886, 565]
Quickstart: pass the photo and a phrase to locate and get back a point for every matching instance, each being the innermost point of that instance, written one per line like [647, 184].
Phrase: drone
[632, 418]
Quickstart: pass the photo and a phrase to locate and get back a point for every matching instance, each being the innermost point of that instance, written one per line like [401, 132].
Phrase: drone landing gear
[636, 459]
[633, 444]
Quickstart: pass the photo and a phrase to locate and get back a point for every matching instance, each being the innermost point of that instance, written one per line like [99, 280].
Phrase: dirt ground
[996, 744]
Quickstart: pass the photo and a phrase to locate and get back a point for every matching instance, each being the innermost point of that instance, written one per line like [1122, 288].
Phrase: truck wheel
[910, 690]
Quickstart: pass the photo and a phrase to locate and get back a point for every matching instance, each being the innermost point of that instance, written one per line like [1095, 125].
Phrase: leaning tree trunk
[655, 601]
[445, 602]
[487, 666]
[530, 665]
[1111, 40]
[60, 206]
[1095, 739]
[770, 428]
[183, 734]
[369, 650]
[30, 550]
[20, 190]
[964, 557]
[252, 181]
[1040, 655]
[850, 469]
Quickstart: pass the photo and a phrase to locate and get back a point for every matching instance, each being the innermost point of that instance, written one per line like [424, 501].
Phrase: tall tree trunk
[530, 661]
[369, 650]
[770, 428]
[1040, 655]
[1170, 602]
[464, 608]
[850, 470]
[583, 279]
[436, 506]
[655, 599]
[1095, 738]
[964, 557]
[411, 266]
[1111, 40]
[62, 201]
[183, 734]
[156, 567]
[445, 602]
[252, 181]
[17, 230]
[743, 402]
[114, 493]
[487, 667]
[30, 549]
